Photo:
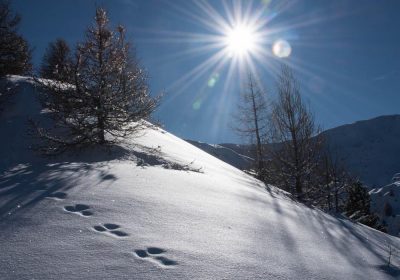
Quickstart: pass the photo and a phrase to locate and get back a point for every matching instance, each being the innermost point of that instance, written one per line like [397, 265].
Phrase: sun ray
[181, 84]
[241, 36]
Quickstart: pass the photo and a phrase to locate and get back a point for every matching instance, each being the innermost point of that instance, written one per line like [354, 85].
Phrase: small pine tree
[57, 63]
[358, 199]
[15, 54]
[358, 206]
[109, 95]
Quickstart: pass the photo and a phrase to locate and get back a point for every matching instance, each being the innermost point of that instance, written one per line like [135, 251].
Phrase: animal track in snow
[80, 209]
[111, 229]
[153, 253]
[57, 195]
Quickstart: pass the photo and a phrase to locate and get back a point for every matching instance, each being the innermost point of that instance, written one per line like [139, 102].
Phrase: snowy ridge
[370, 149]
[131, 212]
[225, 154]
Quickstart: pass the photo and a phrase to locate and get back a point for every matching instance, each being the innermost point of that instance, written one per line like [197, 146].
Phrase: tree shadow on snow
[391, 270]
[23, 184]
[352, 241]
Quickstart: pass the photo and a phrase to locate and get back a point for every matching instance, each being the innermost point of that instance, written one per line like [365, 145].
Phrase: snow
[98, 214]
[387, 196]
[370, 149]
[225, 154]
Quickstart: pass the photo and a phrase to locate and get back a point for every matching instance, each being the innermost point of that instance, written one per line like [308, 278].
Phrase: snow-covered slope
[130, 213]
[385, 202]
[369, 148]
[225, 154]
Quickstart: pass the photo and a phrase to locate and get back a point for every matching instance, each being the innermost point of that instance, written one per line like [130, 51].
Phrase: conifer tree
[358, 199]
[15, 55]
[57, 63]
[109, 96]
[358, 206]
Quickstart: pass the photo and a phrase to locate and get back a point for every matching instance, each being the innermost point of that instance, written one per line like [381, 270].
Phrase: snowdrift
[157, 207]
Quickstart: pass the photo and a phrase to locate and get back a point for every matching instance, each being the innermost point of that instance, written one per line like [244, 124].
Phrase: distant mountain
[369, 148]
[231, 154]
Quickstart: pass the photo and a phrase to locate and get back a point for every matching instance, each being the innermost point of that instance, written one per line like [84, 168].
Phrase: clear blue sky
[346, 54]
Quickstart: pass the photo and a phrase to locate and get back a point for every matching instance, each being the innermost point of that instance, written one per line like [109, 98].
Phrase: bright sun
[240, 40]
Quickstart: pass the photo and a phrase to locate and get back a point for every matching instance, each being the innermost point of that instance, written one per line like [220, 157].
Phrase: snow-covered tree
[15, 54]
[109, 96]
[57, 63]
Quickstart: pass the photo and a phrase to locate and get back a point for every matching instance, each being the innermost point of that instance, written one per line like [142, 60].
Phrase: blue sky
[346, 54]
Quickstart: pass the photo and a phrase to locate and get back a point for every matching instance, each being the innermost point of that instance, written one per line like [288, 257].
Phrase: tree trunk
[100, 134]
[336, 200]
[258, 138]
[100, 113]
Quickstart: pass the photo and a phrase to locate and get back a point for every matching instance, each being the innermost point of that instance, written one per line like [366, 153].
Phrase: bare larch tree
[332, 180]
[251, 119]
[293, 160]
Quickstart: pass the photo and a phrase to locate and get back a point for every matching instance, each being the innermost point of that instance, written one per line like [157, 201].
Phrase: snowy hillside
[161, 209]
[385, 202]
[225, 154]
[370, 148]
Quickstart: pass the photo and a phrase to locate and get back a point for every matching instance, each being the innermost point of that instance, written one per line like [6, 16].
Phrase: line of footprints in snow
[151, 253]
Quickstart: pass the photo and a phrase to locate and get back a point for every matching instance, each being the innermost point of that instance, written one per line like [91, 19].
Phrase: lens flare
[281, 48]
[196, 105]
[213, 80]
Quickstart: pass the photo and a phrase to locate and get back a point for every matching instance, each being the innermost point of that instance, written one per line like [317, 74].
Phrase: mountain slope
[371, 148]
[225, 154]
[132, 213]
[385, 203]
